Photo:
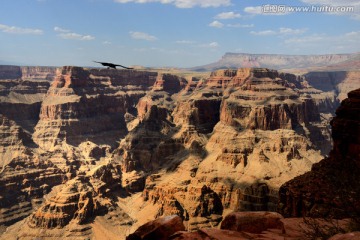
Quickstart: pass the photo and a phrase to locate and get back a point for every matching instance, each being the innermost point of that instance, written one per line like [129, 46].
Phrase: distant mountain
[278, 61]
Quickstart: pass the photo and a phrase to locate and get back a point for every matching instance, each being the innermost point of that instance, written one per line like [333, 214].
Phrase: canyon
[96, 153]
[326, 62]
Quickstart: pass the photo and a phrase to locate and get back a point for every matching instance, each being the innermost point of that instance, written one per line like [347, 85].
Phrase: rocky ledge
[128, 146]
[334, 189]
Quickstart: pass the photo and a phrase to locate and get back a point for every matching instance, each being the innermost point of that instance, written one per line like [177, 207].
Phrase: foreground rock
[210, 233]
[346, 236]
[253, 222]
[334, 189]
[237, 225]
[161, 229]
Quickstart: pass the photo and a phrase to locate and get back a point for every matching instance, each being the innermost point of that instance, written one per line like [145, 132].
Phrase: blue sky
[180, 33]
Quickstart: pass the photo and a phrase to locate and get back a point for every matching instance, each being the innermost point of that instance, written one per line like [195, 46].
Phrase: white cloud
[238, 25]
[253, 10]
[184, 3]
[213, 44]
[267, 10]
[227, 15]
[59, 29]
[106, 42]
[216, 24]
[263, 33]
[353, 34]
[210, 45]
[290, 31]
[69, 35]
[348, 42]
[76, 36]
[185, 42]
[281, 32]
[19, 30]
[307, 39]
[142, 36]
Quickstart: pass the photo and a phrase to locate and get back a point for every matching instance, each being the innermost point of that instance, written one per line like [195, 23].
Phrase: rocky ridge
[24, 176]
[279, 61]
[334, 191]
[225, 157]
[166, 145]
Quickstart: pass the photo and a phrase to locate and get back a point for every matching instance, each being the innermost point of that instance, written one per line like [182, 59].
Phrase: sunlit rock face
[279, 61]
[333, 190]
[124, 147]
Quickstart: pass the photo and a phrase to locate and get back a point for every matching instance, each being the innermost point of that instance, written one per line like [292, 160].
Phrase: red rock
[159, 229]
[346, 236]
[210, 234]
[334, 188]
[252, 222]
[276, 61]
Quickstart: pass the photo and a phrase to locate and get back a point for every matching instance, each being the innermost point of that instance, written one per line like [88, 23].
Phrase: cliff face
[10, 72]
[79, 100]
[126, 146]
[21, 91]
[339, 82]
[334, 190]
[235, 138]
[277, 61]
[20, 100]
[25, 176]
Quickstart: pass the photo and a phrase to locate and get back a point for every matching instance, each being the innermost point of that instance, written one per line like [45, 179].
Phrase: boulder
[160, 229]
[346, 236]
[252, 222]
[207, 234]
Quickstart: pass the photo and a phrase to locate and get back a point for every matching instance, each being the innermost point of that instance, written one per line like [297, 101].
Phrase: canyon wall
[334, 189]
[113, 149]
[25, 175]
[279, 61]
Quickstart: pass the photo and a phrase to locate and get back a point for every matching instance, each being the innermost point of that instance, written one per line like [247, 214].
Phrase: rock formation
[235, 226]
[338, 82]
[254, 222]
[161, 229]
[84, 105]
[278, 61]
[25, 176]
[334, 189]
[126, 147]
[79, 200]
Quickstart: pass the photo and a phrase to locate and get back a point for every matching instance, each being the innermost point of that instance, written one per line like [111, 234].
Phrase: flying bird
[112, 65]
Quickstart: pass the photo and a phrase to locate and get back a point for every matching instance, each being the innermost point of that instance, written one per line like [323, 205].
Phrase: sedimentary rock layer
[130, 146]
[334, 189]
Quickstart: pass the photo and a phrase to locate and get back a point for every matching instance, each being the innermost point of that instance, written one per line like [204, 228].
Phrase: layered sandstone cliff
[334, 189]
[337, 82]
[243, 134]
[279, 61]
[21, 91]
[24, 175]
[160, 145]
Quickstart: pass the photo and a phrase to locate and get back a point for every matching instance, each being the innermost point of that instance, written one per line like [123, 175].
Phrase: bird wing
[112, 65]
[122, 66]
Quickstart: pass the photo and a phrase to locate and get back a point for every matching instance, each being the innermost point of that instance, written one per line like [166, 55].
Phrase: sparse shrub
[321, 228]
